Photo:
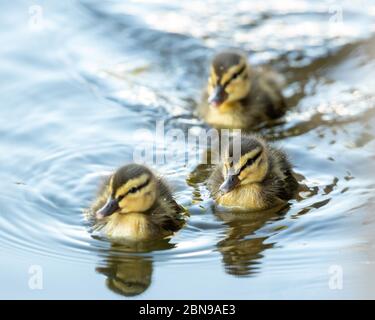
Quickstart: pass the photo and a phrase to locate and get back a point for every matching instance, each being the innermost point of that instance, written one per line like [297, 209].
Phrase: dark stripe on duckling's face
[235, 75]
[250, 161]
[134, 189]
[138, 195]
[219, 94]
[233, 178]
[117, 201]
[131, 185]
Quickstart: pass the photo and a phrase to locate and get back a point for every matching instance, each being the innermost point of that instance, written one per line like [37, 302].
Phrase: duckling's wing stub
[289, 186]
[166, 194]
[266, 95]
[170, 224]
[168, 213]
[274, 106]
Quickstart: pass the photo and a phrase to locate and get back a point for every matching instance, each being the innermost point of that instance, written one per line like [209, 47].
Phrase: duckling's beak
[218, 96]
[229, 183]
[109, 208]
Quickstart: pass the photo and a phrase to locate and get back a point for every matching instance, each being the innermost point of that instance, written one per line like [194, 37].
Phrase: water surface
[78, 83]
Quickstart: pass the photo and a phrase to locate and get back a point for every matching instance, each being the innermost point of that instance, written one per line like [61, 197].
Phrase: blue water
[78, 79]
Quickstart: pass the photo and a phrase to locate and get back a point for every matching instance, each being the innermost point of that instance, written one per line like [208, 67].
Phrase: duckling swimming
[256, 177]
[238, 96]
[136, 205]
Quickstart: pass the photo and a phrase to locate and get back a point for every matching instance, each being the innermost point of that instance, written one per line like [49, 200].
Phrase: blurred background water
[79, 78]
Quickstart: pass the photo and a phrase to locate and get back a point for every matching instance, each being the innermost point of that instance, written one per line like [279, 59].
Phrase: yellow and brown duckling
[239, 96]
[255, 177]
[136, 205]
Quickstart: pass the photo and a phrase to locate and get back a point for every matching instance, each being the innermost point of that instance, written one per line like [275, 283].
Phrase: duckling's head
[133, 188]
[244, 164]
[229, 79]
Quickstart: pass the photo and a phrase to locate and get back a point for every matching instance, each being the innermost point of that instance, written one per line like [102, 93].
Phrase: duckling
[135, 205]
[252, 176]
[239, 96]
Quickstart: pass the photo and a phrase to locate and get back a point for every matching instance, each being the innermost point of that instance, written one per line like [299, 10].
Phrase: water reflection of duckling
[136, 205]
[239, 96]
[253, 175]
[129, 275]
[242, 247]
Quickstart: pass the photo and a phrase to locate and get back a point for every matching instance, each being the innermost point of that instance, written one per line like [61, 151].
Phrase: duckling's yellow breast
[131, 226]
[247, 197]
[230, 116]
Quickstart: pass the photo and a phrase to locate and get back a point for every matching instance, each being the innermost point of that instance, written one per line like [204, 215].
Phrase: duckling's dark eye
[133, 190]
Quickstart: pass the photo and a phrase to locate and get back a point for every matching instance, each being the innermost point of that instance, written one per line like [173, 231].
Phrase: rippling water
[79, 78]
